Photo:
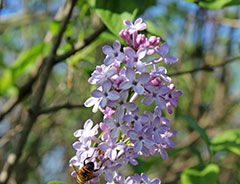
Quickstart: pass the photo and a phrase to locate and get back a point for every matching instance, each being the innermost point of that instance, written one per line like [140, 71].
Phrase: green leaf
[215, 4]
[200, 175]
[196, 127]
[56, 182]
[228, 141]
[114, 21]
[112, 13]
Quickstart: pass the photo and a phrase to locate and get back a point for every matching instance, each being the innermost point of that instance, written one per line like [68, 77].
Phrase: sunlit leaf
[111, 20]
[200, 175]
[228, 140]
[196, 127]
[215, 4]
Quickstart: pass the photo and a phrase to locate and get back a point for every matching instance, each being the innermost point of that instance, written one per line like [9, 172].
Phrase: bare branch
[25, 90]
[60, 107]
[207, 68]
[36, 101]
[81, 45]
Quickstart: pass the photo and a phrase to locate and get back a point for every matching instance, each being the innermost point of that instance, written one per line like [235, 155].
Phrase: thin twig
[60, 107]
[207, 68]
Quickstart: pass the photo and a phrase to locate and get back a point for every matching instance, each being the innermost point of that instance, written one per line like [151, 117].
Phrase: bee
[86, 172]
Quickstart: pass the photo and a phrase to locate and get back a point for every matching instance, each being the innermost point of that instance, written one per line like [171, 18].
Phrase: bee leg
[88, 158]
[100, 165]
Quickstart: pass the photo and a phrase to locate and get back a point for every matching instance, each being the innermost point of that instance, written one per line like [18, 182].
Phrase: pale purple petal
[155, 181]
[120, 146]
[139, 89]
[96, 93]
[108, 60]
[103, 146]
[131, 74]
[113, 95]
[148, 142]
[113, 154]
[132, 134]
[130, 106]
[164, 49]
[116, 45]
[163, 154]
[106, 85]
[90, 102]
[162, 90]
[123, 95]
[143, 118]
[103, 102]
[138, 126]
[88, 125]
[137, 147]
[148, 100]
[141, 53]
[140, 66]
[171, 59]
[108, 50]
[157, 137]
[119, 112]
[120, 57]
[138, 21]
[77, 145]
[144, 77]
[125, 85]
[177, 93]
[108, 176]
[104, 127]
[78, 133]
[127, 23]
[145, 178]
[161, 103]
[128, 118]
[129, 52]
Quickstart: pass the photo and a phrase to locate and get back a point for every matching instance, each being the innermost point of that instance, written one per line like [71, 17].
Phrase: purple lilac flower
[113, 54]
[140, 140]
[162, 51]
[122, 105]
[134, 59]
[137, 84]
[155, 94]
[87, 132]
[172, 98]
[111, 148]
[126, 133]
[136, 26]
[101, 74]
[161, 71]
[136, 119]
[105, 94]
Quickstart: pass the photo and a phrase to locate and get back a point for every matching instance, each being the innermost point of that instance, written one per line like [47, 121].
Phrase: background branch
[207, 68]
[60, 107]
[13, 158]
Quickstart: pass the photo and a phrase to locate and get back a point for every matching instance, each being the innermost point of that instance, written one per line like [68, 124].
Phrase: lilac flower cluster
[126, 133]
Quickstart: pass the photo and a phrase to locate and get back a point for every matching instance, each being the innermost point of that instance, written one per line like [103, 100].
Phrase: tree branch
[13, 158]
[207, 68]
[80, 45]
[60, 107]
[26, 89]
